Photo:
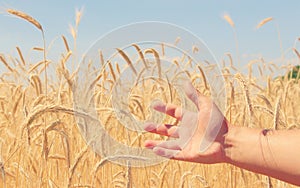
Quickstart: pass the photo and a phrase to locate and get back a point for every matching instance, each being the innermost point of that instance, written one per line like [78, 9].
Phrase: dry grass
[52, 153]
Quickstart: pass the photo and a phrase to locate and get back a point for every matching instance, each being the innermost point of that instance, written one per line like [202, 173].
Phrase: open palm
[198, 138]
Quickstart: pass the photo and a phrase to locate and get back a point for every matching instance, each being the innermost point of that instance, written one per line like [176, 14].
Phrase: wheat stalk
[128, 175]
[228, 19]
[34, 22]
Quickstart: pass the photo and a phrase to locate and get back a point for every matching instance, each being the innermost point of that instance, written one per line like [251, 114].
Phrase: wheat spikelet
[140, 54]
[269, 85]
[177, 40]
[140, 107]
[203, 76]
[66, 58]
[182, 178]
[118, 68]
[250, 69]
[155, 53]
[257, 86]
[25, 17]
[195, 49]
[231, 99]
[78, 13]
[202, 180]
[66, 75]
[162, 178]
[162, 49]
[65, 43]
[228, 19]
[112, 71]
[285, 93]
[21, 56]
[35, 66]
[264, 98]
[231, 61]
[175, 61]
[74, 165]
[276, 113]
[139, 76]
[38, 49]
[6, 64]
[296, 52]
[66, 146]
[45, 150]
[54, 109]
[101, 57]
[263, 109]
[16, 105]
[73, 31]
[3, 173]
[263, 22]
[247, 95]
[260, 70]
[123, 54]
[37, 84]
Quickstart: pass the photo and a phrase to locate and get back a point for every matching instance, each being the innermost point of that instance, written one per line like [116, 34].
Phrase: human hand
[200, 135]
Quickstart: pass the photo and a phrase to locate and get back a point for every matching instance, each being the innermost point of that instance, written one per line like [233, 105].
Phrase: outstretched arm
[272, 153]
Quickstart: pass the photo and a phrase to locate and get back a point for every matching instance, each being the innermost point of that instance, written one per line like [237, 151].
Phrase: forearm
[276, 154]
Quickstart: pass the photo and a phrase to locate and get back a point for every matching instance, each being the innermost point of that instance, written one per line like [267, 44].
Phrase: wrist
[229, 143]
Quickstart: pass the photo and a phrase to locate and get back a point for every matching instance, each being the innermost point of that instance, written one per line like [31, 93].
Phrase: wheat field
[41, 146]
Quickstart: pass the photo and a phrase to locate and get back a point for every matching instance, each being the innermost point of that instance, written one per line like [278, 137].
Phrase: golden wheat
[52, 153]
[228, 19]
[263, 22]
[26, 17]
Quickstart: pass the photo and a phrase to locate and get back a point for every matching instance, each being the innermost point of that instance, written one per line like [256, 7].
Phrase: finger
[172, 154]
[168, 153]
[150, 144]
[169, 144]
[169, 109]
[193, 94]
[163, 129]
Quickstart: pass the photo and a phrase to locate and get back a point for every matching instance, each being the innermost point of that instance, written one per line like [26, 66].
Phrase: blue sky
[203, 18]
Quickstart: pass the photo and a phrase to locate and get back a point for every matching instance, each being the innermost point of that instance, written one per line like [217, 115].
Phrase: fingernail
[149, 126]
[159, 151]
[149, 146]
[158, 105]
